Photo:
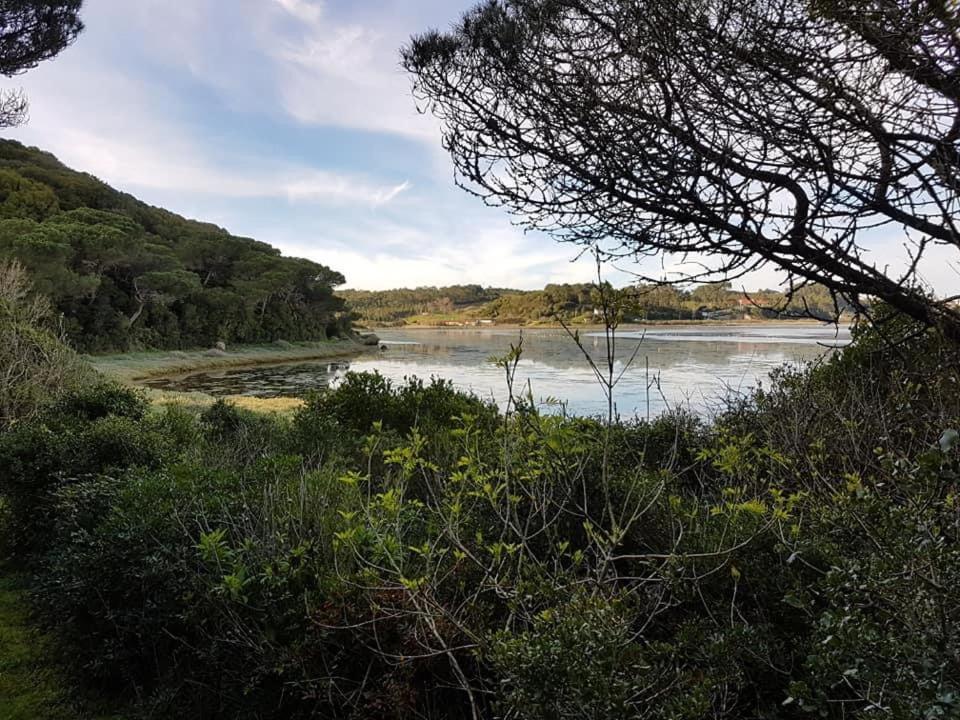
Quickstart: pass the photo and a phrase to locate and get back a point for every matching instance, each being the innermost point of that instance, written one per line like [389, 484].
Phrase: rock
[220, 346]
[369, 339]
[215, 352]
[383, 347]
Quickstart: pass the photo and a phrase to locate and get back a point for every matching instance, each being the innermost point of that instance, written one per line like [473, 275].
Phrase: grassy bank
[132, 367]
[28, 688]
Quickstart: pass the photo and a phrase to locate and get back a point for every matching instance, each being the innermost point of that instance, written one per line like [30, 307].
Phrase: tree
[733, 133]
[162, 287]
[32, 31]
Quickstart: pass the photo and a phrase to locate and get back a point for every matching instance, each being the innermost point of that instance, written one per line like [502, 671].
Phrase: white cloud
[332, 187]
[309, 12]
[344, 74]
[379, 254]
[124, 134]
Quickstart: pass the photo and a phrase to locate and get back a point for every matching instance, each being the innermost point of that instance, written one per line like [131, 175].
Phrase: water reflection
[673, 366]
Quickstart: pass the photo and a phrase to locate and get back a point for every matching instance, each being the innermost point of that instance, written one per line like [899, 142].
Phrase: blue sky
[289, 121]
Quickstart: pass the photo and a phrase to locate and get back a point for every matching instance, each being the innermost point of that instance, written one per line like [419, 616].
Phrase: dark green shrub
[363, 399]
[100, 429]
[100, 400]
[233, 437]
[222, 418]
[578, 660]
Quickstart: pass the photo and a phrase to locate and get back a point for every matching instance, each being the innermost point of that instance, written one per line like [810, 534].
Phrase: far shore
[134, 367]
[470, 325]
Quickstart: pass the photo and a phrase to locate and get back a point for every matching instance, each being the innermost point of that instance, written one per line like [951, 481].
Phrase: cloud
[308, 12]
[138, 143]
[344, 74]
[330, 187]
[376, 253]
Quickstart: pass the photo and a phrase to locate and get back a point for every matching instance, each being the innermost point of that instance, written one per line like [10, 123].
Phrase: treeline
[386, 306]
[126, 275]
[576, 302]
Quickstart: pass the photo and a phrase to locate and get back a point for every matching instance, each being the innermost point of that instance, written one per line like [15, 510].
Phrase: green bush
[96, 430]
[99, 400]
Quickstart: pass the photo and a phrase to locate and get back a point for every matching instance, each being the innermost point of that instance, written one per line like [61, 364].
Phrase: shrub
[78, 436]
[99, 400]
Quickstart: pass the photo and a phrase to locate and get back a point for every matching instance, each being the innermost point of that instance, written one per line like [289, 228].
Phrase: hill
[575, 303]
[126, 275]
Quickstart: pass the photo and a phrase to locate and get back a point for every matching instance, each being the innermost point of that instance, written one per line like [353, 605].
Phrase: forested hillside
[575, 302]
[127, 275]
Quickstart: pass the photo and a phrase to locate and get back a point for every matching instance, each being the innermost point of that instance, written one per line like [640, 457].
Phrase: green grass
[141, 365]
[31, 686]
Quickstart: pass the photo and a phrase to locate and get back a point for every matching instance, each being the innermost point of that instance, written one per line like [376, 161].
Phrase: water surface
[693, 366]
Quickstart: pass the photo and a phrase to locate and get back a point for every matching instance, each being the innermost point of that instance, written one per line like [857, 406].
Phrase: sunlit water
[690, 366]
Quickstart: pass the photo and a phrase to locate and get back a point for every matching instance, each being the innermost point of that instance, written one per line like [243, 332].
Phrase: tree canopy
[126, 275]
[731, 133]
[576, 302]
[32, 31]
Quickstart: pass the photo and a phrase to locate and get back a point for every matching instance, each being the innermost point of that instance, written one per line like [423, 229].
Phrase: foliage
[407, 551]
[125, 275]
[95, 429]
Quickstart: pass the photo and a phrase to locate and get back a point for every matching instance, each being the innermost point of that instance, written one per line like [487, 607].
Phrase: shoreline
[135, 367]
[598, 326]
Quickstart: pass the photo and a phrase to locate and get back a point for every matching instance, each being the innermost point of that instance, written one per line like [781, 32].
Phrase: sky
[291, 121]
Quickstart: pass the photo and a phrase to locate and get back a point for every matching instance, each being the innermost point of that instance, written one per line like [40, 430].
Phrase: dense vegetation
[409, 551]
[576, 303]
[126, 275]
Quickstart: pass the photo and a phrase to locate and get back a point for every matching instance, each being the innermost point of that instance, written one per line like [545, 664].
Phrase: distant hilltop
[473, 305]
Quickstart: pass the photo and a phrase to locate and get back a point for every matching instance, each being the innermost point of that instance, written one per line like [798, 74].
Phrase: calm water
[691, 366]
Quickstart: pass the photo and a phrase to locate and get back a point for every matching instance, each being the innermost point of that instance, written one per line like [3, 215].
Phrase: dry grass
[197, 401]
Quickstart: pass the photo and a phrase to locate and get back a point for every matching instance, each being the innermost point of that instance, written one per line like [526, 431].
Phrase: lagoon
[688, 366]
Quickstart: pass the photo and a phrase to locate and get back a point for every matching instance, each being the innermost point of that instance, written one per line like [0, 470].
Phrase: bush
[99, 400]
[78, 436]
